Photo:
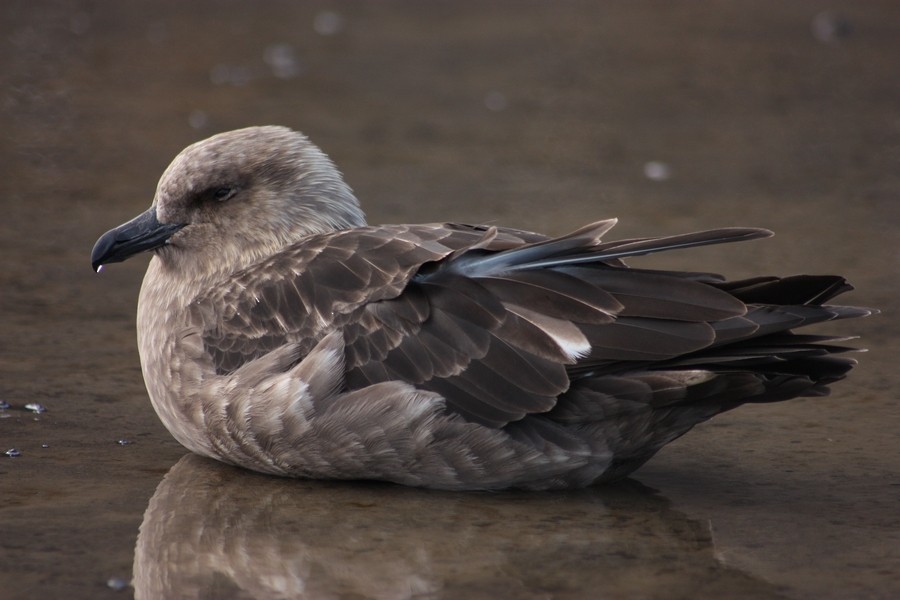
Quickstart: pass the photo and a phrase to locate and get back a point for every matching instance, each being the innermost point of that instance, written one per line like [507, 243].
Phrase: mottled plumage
[279, 332]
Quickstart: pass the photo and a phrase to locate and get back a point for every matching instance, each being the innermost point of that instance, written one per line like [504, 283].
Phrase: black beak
[141, 233]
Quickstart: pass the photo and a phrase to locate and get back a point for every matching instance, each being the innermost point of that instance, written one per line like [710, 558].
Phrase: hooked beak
[141, 233]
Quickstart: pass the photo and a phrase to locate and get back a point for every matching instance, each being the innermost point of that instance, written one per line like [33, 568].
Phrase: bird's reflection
[212, 531]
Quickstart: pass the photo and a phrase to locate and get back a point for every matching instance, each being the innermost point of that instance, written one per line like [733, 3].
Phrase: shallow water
[771, 114]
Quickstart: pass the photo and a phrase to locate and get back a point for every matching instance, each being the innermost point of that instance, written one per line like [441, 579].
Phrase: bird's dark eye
[223, 193]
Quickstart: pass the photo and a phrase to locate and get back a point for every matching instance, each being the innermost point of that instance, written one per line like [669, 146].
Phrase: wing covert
[322, 283]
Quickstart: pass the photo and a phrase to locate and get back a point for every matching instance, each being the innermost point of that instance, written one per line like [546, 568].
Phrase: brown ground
[761, 121]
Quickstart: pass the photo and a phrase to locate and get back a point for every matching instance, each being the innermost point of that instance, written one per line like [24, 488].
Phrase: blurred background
[672, 116]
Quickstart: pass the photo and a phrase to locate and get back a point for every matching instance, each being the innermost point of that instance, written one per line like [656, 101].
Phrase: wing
[506, 334]
[302, 293]
[499, 322]
[500, 334]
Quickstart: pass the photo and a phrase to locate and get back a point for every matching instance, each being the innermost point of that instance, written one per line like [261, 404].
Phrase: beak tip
[101, 250]
[140, 234]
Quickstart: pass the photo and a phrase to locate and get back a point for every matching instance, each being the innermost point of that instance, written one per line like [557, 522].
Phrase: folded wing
[503, 323]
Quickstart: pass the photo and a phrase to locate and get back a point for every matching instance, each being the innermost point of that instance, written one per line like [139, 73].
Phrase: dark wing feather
[324, 283]
[647, 339]
[798, 289]
[662, 295]
[508, 324]
[505, 324]
[465, 351]
[555, 294]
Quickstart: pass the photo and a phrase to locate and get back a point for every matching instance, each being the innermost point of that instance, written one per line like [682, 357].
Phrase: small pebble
[45, 445]
[117, 583]
[13, 453]
[328, 22]
[282, 59]
[35, 407]
[657, 171]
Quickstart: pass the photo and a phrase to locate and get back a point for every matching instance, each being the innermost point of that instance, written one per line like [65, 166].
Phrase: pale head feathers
[245, 194]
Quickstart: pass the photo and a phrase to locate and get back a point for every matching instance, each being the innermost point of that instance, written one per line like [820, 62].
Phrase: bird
[280, 332]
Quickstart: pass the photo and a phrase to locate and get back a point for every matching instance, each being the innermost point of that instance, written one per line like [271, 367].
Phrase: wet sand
[771, 114]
